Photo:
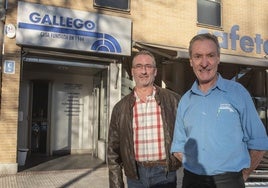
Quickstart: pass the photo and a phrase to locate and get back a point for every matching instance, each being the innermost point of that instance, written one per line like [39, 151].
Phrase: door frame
[101, 99]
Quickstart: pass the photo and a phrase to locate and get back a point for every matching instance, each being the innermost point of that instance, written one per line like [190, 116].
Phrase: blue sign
[9, 67]
[55, 27]
[247, 44]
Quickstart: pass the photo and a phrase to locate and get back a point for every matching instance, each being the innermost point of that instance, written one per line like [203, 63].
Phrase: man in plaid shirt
[141, 130]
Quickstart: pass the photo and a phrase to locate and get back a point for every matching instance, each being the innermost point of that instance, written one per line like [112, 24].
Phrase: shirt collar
[149, 96]
[219, 84]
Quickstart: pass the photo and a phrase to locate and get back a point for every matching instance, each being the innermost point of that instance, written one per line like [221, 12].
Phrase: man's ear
[219, 60]
[132, 72]
[191, 63]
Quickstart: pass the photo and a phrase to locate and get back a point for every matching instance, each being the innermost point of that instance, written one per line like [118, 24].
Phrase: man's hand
[256, 157]
[246, 172]
[178, 155]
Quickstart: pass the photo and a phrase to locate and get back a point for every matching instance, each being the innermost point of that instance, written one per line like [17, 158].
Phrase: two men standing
[218, 135]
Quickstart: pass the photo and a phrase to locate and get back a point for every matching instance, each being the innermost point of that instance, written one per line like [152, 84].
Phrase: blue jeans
[153, 177]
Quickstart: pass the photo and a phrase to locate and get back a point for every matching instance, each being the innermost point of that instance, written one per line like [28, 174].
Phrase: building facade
[66, 64]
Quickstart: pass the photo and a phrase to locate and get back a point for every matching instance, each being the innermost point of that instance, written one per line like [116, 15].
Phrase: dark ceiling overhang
[175, 53]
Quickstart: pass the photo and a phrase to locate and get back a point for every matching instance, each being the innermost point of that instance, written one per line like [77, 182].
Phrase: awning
[175, 53]
[169, 52]
[242, 60]
[32, 52]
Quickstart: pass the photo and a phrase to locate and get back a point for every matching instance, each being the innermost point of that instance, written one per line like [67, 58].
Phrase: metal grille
[259, 178]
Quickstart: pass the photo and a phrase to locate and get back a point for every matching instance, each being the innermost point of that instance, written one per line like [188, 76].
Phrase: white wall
[71, 115]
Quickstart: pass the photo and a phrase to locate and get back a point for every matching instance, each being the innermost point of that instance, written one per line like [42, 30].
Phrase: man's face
[204, 61]
[143, 70]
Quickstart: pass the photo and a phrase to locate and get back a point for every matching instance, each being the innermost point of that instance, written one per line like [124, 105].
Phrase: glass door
[39, 116]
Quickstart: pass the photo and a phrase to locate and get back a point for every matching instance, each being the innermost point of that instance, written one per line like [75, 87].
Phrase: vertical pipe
[264, 99]
[2, 27]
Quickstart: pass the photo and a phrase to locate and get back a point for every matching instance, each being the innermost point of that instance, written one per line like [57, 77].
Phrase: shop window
[113, 4]
[209, 12]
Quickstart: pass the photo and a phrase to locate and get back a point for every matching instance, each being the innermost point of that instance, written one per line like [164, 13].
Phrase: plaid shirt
[148, 135]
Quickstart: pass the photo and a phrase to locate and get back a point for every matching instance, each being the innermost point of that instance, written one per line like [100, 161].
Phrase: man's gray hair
[204, 36]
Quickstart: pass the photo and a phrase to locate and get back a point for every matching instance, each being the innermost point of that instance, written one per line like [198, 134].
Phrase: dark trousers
[226, 180]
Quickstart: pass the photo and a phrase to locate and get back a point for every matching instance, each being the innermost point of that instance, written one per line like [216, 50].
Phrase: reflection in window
[113, 4]
[209, 12]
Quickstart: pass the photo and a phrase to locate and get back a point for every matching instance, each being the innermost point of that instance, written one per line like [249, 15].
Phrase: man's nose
[144, 68]
[204, 62]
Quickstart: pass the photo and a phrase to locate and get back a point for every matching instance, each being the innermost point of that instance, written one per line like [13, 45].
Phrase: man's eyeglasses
[141, 67]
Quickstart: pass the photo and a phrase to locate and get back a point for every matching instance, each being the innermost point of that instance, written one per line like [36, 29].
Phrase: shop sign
[246, 43]
[10, 31]
[55, 27]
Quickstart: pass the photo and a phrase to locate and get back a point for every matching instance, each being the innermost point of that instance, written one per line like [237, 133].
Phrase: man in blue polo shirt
[218, 134]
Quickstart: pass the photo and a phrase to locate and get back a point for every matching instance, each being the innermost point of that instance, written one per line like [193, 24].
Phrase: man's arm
[178, 155]
[256, 157]
[113, 153]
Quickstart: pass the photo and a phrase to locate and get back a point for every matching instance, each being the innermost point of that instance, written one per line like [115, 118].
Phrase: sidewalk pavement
[96, 177]
[66, 171]
[73, 171]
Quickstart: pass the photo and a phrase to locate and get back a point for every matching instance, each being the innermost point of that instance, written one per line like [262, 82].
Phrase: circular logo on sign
[10, 31]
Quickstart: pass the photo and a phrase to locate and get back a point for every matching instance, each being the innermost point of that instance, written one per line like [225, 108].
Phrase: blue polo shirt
[215, 130]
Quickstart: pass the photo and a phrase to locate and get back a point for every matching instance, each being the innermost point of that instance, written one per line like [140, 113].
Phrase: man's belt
[152, 163]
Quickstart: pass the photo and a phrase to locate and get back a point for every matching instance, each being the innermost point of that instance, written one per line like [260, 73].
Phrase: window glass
[113, 4]
[209, 12]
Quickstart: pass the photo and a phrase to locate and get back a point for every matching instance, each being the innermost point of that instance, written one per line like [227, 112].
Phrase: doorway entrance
[61, 113]
[39, 116]
[65, 104]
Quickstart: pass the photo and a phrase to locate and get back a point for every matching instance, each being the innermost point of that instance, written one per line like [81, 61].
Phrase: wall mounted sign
[233, 40]
[72, 99]
[48, 26]
[9, 67]
[10, 30]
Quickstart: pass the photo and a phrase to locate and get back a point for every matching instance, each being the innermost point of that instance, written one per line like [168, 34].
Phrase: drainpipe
[2, 29]
[2, 24]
